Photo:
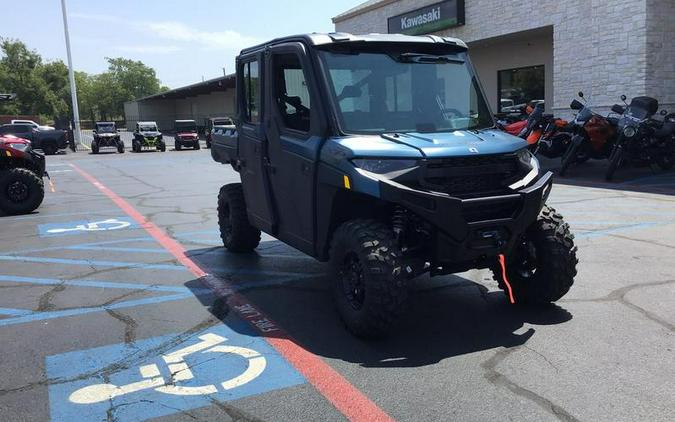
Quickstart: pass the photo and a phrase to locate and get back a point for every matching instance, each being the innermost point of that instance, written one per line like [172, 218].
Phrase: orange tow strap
[502, 262]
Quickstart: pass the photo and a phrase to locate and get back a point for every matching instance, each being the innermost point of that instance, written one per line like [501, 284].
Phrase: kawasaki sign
[428, 19]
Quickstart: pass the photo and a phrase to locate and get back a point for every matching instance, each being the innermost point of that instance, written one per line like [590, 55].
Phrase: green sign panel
[427, 19]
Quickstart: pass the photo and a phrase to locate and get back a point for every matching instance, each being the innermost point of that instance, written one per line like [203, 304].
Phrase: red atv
[21, 170]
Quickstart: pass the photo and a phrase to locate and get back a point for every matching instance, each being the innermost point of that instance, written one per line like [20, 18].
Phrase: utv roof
[318, 39]
[147, 123]
[105, 123]
[184, 121]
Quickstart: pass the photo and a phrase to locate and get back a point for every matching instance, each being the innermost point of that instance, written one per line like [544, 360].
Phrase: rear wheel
[666, 161]
[237, 233]
[569, 157]
[50, 148]
[370, 290]
[21, 191]
[542, 267]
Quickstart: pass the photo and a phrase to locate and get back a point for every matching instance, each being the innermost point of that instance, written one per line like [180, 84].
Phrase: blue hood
[432, 145]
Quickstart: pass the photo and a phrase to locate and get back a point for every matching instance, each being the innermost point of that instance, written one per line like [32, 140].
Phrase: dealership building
[544, 49]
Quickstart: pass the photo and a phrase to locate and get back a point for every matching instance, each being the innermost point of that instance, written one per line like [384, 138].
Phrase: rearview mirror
[581, 94]
[623, 97]
[664, 112]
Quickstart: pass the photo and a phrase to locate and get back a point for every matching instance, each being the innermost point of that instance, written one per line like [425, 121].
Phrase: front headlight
[531, 162]
[629, 131]
[19, 147]
[383, 166]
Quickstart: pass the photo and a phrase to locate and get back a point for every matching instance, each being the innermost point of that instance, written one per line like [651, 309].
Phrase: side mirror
[664, 112]
[581, 94]
[623, 97]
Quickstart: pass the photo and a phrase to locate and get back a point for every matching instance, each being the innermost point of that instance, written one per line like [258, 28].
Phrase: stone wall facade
[601, 47]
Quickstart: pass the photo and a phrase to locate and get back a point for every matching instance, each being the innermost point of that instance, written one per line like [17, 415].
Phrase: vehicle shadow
[592, 174]
[448, 316]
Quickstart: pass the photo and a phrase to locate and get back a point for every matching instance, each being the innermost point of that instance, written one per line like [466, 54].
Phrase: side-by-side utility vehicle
[21, 171]
[106, 135]
[379, 154]
[147, 136]
[186, 134]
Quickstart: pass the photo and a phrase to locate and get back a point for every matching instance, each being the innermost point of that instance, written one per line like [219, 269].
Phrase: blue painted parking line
[95, 263]
[40, 316]
[66, 214]
[86, 226]
[219, 363]
[14, 312]
[116, 249]
[103, 284]
[60, 247]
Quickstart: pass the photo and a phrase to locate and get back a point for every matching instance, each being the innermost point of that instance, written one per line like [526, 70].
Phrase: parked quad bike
[642, 141]
[21, 170]
[593, 136]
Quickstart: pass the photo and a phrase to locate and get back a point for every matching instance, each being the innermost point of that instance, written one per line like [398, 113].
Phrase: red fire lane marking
[345, 397]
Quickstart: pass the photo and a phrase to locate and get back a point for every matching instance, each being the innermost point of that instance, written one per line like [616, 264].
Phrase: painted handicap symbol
[103, 225]
[180, 371]
[134, 382]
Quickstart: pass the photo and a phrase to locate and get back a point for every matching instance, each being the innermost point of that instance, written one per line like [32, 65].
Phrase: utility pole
[71, 77]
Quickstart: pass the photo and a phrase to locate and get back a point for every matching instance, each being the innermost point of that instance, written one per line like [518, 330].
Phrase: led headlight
[383, 166]
[629, 131]
[19, 147]
[529, 160]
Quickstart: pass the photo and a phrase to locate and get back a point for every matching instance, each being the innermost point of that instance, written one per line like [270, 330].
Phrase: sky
[183, 40]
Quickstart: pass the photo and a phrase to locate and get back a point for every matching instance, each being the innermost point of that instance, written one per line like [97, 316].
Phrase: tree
[131, 80]
[19, 73]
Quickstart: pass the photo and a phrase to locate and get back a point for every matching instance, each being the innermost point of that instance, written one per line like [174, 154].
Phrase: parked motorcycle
[545, 134]
[593, 136]
[642, 140]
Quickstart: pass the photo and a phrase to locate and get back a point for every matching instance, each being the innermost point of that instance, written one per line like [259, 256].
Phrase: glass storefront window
[519, 87]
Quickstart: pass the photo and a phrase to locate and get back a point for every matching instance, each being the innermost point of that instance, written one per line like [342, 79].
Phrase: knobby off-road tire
[94, 147]
[21, 191]
[120, 147]
[162, 147]
[177, 146]
[197, 146]
[237, 233]
[555, 263]
[50, 148]
[370, 290]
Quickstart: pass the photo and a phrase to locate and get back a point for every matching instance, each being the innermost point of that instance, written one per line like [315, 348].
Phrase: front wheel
[542, 266]
[94, 147]
[369, 289]
[197, 146]
[120, 147]
[615, 159]
[50, 148]
[569, 157]
[162, 147]
[237, 233]
[666, 160]
[21, 191]
[177, 146]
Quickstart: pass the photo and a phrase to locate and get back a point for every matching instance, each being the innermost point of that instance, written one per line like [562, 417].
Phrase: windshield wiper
[426, 58]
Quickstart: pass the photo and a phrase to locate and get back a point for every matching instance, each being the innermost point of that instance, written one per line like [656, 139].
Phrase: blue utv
[379, 154]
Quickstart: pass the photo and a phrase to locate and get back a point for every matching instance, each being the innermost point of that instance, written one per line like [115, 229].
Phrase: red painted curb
[334, 387]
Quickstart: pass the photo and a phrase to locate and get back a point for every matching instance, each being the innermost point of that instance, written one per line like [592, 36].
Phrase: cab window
[291, 93]
[251, 92]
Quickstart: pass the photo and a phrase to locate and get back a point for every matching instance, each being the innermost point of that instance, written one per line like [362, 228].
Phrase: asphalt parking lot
[119, 286]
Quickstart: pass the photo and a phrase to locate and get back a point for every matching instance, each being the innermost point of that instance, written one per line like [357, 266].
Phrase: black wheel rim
[525, 263]
[227, 224]
[352, 283]
[17, 191]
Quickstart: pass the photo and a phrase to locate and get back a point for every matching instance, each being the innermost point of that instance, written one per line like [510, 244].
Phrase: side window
[251, 92]
[290, 92]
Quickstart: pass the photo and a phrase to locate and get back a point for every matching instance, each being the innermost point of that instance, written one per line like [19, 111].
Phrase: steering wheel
[454, 111]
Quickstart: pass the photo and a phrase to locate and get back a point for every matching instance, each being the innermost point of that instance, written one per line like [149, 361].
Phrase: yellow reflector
[346, 179]
[9, 154]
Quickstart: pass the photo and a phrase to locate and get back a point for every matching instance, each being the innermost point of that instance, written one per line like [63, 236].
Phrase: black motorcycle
[642, 140]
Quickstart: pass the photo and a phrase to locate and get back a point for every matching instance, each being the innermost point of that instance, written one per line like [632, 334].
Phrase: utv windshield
[105, 128]
[186, 127]
[148, 128]
[380, 92]
[222, 122]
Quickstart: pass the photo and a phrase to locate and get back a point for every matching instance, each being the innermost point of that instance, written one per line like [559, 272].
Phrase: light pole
[71, 77]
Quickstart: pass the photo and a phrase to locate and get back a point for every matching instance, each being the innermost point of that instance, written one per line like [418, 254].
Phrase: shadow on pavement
[448, 316]
[635, 179]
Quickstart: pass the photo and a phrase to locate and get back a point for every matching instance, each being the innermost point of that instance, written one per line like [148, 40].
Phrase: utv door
[252, 144]
[292, 118]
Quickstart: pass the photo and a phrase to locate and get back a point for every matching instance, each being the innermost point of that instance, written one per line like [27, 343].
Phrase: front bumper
[107, 141]
[472, 230]
[151, 141]
[187, 141]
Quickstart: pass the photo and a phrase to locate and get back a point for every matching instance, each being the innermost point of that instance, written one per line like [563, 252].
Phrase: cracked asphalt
[91, 307]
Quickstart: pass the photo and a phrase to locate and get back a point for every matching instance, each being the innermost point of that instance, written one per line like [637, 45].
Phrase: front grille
[473, 176]
[474, 212]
